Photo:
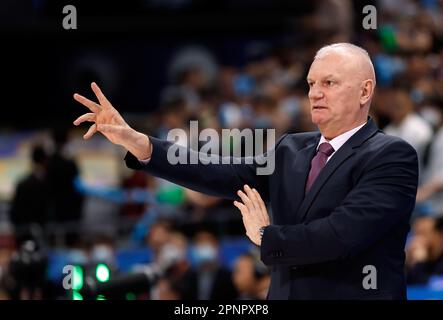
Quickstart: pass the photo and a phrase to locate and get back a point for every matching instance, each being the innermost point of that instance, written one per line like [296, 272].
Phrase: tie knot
[326, 149]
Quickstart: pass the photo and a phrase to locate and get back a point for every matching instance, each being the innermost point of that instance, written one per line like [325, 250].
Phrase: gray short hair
[347, 48]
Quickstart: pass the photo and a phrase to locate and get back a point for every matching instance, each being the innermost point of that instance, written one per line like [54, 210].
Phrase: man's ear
[367, 90]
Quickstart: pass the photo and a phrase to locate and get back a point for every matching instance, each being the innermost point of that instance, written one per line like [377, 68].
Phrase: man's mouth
[318, 107]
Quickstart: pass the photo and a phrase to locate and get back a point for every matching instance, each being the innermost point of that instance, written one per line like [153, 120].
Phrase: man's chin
[318, 119]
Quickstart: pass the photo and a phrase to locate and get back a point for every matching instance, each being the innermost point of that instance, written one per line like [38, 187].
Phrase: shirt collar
[340, 140]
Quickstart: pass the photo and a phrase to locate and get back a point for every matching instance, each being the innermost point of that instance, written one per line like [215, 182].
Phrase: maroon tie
[318, 162]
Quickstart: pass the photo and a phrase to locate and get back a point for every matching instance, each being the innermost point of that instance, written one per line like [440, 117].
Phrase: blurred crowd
[269, 92]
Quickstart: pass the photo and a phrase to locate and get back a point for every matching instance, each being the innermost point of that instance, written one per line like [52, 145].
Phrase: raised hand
[254, 213]
[108, 121]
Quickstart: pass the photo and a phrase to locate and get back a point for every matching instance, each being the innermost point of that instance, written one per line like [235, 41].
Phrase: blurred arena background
[228, 64]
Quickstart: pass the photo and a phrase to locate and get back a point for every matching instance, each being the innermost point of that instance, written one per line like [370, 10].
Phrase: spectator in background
[102, 250]
[250, 277]
[210, 280]
[407, 124]
[172, 258]
[192, 70]
[66, 202]
[133, 210]
[168, 289]
[431, 191]
[424, 254]
[191, 81]
[173, 113]
[26, 279]
[30, 203]
[158, 235]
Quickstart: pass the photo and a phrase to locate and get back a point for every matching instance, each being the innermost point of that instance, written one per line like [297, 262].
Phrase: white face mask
[77, 256]
[170, 254]
[204, 253]
[431, 115]
[102, 253]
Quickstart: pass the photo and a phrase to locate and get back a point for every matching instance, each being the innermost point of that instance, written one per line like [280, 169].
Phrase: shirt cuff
[145, 161]
[133, 163]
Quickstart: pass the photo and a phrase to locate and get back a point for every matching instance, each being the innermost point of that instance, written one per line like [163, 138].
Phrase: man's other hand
[254, 213]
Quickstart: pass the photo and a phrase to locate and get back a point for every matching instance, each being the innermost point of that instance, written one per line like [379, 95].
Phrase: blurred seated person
[27, 270]
[424, 254]
[406, 123]
[66, 202]
[251, 277]
[170, 289]
[431, 189]
[158, 235]
[172, 112]
[172, 259]
[30, 201]
[210, 280]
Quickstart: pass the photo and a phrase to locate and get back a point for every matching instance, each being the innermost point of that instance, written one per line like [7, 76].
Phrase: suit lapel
[343, 154]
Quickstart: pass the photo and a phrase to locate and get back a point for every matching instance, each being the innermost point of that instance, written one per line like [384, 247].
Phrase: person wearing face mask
[211, 280]
[174, 282]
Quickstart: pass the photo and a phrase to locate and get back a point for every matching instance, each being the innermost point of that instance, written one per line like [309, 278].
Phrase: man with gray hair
[341, 198]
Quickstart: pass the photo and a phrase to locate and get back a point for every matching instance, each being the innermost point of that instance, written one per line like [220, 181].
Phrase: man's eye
[329, 83]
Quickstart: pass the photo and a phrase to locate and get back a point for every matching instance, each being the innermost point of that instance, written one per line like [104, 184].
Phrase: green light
[77, 278]
[130, 296]
[102, 272]
[76, 296]
[101, 297]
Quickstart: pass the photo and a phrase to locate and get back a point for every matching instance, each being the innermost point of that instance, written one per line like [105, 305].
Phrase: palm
[110, 117]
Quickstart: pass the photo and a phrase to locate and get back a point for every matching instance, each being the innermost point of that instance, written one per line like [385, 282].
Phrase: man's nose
[315, 93]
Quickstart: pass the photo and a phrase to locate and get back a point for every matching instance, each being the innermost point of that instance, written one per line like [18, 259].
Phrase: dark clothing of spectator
[66, 201]
[422, 272]
[213, 285]
[30, 205]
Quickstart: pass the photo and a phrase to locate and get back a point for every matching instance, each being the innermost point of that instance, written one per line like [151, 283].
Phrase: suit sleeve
[213, 175]
[383, 197]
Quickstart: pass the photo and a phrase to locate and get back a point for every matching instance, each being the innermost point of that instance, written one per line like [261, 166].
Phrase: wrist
[141, 147]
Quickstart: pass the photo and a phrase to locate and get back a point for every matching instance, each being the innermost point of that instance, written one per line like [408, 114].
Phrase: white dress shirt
[340, 140]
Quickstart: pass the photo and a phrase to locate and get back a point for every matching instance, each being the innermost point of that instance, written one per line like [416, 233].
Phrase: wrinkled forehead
[332, 64]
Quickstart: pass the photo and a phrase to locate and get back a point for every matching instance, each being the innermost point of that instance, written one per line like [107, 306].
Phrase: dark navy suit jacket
[356, 213]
